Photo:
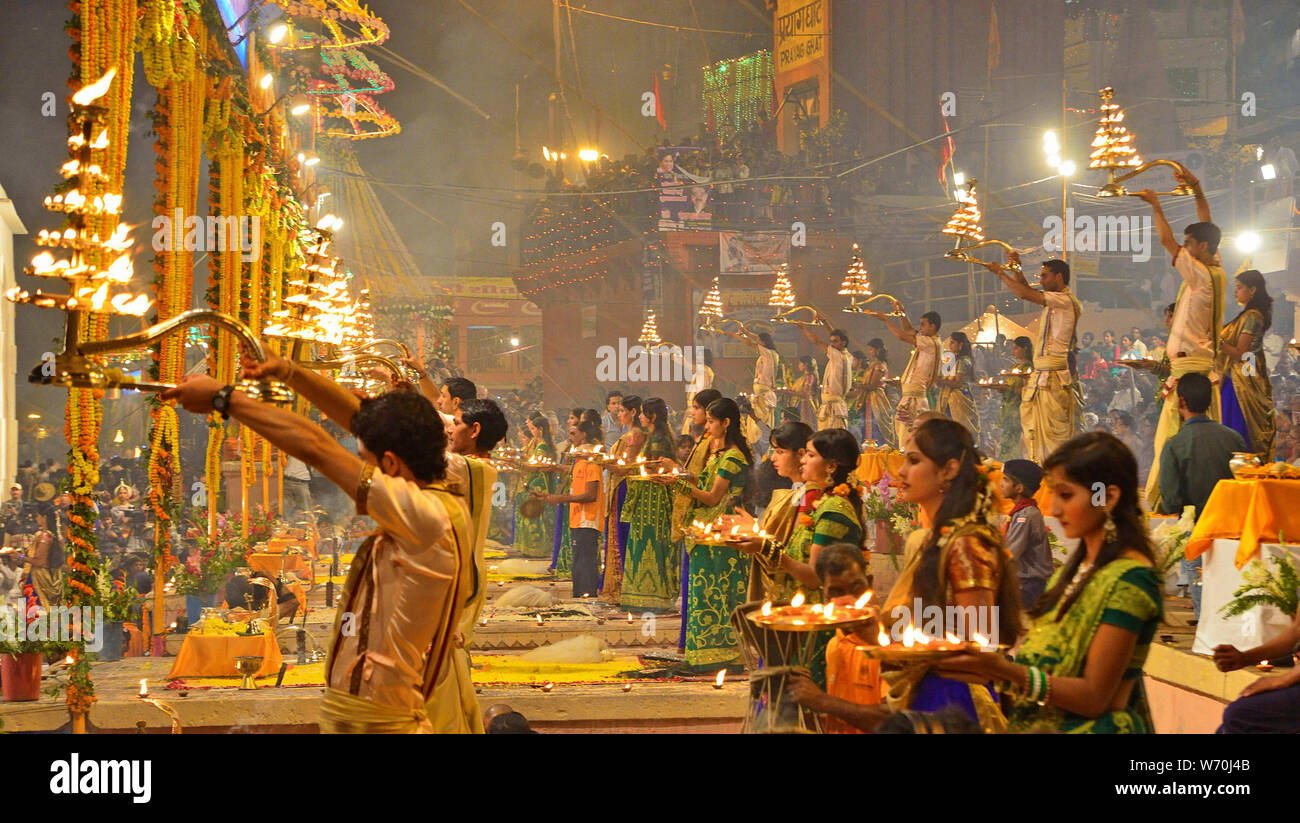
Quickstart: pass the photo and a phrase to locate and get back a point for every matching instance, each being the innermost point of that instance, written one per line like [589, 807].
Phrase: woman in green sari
[955, 399]
[1079, 670]
[1012, 446]
[650, 563]
[830, 512]
[878, 411]
[534, 536]
[626, 448]
[1246, 391]
[719, 575]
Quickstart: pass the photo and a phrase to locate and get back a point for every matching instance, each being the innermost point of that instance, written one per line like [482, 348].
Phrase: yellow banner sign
[802, 29]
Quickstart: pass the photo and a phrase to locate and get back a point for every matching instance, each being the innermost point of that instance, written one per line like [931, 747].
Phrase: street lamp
[1064, 168]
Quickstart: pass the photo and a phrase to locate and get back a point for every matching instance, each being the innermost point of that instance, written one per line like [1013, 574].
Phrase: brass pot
[1242, 461]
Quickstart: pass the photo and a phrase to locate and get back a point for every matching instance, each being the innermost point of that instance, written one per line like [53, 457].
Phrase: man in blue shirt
[1192, 463]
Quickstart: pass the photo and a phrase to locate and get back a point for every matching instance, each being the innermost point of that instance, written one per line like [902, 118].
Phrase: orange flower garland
[103, 33]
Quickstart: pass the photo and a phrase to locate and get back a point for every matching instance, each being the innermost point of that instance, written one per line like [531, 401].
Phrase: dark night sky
[442, 140]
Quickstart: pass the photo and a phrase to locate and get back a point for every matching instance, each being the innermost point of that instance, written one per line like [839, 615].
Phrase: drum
[772, 655]
[531, 508]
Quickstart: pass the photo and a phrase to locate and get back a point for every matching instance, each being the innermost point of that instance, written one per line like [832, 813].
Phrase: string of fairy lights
[737, 91]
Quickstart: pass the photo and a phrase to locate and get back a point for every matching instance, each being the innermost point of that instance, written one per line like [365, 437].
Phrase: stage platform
[1187, 692]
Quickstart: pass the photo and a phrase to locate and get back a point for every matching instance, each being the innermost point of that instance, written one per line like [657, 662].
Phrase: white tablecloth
[1220, 578]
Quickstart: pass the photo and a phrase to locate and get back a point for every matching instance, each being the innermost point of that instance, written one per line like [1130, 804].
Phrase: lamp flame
[882, 638]
[767, 609]
[720, 679]
[121, 270]
[95, 90]
[144, 687]
[797, 600]
[862, 601]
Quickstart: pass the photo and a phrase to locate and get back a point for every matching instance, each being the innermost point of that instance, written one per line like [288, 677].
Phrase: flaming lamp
[1113, 150]
[967, 225]
[650, 331]
[97, 269]
[857, 287]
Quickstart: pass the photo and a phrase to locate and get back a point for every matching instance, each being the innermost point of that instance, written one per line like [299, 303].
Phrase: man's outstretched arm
[291, 433]
[335, 402]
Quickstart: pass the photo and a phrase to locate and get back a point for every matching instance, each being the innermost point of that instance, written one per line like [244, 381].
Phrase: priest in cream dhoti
[766, 372]
[393, 634]
[1050, 400]
[922, 367]
[474, 430]
[1198, 313]
[837, 378]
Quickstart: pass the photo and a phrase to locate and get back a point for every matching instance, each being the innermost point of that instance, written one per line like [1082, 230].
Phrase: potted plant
[20, 669]
[1261, 587]
[209, 561]
[893, 519]
[1170, 539]
[117, 600]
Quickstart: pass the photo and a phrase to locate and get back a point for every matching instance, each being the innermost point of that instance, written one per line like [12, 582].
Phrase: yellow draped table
[278, 545]
[274, 564]
[1251, 512]
[213, 655]
[873, 463]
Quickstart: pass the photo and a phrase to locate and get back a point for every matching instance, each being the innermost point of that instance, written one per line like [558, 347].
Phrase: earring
[1109, 533]
[944, 486]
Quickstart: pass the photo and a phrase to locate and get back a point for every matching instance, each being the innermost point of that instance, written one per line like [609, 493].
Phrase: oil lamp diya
[801, 616]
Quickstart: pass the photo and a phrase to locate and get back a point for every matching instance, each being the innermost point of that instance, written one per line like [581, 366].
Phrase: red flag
[949, 149]
[995, 42]
[659, 106]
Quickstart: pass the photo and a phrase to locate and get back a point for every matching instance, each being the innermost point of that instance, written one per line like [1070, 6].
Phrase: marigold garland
[103, 34]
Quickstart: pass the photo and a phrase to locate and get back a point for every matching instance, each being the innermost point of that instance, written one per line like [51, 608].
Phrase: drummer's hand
[803, 691]
[1229, 658]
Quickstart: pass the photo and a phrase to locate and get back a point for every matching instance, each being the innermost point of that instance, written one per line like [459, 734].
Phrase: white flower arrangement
[1171, 538]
